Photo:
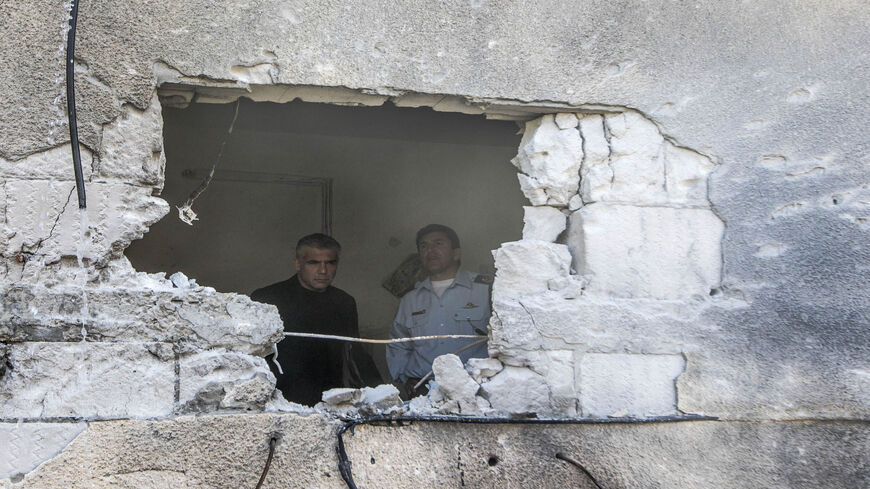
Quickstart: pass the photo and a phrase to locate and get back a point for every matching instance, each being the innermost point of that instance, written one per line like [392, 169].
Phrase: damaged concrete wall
[714, 257]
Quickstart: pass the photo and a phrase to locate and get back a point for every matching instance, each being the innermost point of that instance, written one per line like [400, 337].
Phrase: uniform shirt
[462, 309]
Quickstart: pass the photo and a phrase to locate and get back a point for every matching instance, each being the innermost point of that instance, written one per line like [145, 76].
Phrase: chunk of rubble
[368, 401]
[482, 369]
[341, 395]
[549, 158]
[544, 223]
[455, 383]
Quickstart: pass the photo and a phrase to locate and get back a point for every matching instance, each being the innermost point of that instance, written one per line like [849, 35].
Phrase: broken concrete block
[483, 368]
[551, 158]
[557, 367]
[620, 384]
[48, 227]
[513, 327]
[543, 223]
[382, 399]
[627, 160]
[26, 445]
[132, 146]
[517, 390]
[524, 267]
[342, 395]
[532, 189]
[204, 318]
[100, 380]
[250, 394]
[221, 379]
[455, 383]
[653, 252]
[596, 174]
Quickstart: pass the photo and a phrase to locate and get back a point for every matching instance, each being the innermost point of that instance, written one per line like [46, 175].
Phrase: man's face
[316, 267]
[438, 256]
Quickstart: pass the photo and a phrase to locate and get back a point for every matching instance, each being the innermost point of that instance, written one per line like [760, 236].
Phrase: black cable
[71, 103]
[272, 442]
[344, 463]
[580, 466]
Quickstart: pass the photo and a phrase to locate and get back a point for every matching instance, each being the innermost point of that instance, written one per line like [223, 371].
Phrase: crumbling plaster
[773, 95]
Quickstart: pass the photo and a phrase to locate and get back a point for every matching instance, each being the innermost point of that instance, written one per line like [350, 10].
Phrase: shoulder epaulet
[483, 279]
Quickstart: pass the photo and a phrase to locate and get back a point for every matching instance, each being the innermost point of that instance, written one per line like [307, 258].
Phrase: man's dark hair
[319, 241]
[438, 228]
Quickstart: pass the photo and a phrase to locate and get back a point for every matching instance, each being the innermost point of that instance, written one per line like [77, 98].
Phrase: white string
[393, 340]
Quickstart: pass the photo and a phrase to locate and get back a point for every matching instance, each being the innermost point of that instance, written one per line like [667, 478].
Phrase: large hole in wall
[371, 176]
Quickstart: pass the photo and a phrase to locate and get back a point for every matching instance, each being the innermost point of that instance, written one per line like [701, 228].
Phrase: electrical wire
[71, 103]
[272, 442]
[380, 342]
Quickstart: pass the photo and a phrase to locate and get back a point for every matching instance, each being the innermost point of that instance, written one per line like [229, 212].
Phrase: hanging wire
[272, 442]
[71, 103]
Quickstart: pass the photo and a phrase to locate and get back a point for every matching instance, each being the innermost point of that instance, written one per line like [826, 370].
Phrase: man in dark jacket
[308, 303]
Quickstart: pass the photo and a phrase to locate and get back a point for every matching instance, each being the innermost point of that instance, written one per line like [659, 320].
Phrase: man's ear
[457, 254]
[296, 264]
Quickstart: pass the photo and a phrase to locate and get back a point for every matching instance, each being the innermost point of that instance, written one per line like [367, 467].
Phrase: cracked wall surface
[696, 241]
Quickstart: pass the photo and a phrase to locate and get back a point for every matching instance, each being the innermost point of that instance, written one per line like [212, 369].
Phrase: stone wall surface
[230, 451]
[696, 243]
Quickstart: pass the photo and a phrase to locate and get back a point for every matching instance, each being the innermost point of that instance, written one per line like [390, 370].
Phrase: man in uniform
[451, 301]
[308, 303]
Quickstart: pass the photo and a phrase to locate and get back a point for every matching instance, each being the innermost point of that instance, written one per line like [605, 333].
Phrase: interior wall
[393, 169]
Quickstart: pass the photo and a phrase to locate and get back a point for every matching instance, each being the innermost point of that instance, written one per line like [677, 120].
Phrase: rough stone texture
[46, 221]
[455, 383]
[132, 146]
[543, 223]
[626, 159]
[342, 395]
[26, 445]
[99, 380]
[483, 368]
[517, 391]
[115, 312]
[687, 455]
[657, 252]
[219, 379]
[227, 451]
[773, 93]
[613, 383]
[524, 267]
[549, 159]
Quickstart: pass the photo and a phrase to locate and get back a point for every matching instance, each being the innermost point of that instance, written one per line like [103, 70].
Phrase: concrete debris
[220, 379]
[455, 383]
[549, 159]
[368, 401]
[180, 280]
[483, 368]
[543, 223]
[342, 395]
